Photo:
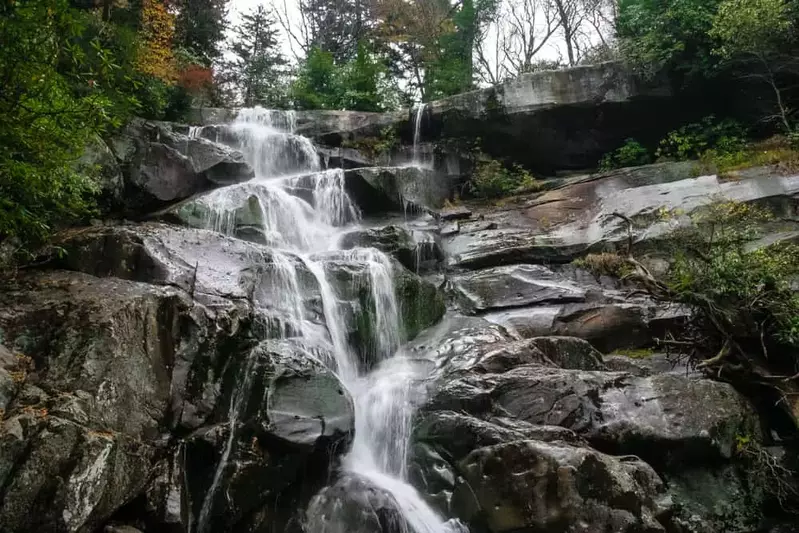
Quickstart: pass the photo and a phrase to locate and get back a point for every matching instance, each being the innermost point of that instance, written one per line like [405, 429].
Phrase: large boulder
[162, 166]
[396, 189]
[204, 263]
[498, 475]
[141, 391]
[413, 249]
[354, 504]
[100, 375]
[658, 418]
[513, 286]
[366, 283]
[558, 119]
[287, 414]
[532, 486]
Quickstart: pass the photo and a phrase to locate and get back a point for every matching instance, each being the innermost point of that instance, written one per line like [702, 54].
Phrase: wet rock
[648, 363]
[196, 261]
[566, 118]
[442, 439]
[657, 417]
[569, 352]
[69, 323]
[341, 157]
[303, 404]
[396, 189]
[355, 505]
[511, 487]
[358, 274]
[121, 529]
[457, 434]
[459, 341]
[454, 213]
[289, 416]
[717, 498]
[513, 286]
[577, 218]
[607, 326]
[161, 166]
[450, 229]
[393, 240]
[504, 246]
[61, 476]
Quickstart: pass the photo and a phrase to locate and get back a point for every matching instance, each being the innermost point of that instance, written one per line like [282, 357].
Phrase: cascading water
[301, 211]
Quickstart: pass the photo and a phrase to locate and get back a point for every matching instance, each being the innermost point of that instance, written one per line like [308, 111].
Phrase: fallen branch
[723, 353]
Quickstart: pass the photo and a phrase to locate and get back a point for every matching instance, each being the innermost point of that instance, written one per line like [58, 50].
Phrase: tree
[755, 33]
[520, 31]
[579, 21]
[44, 119]
[316, 86]
[200, 28]
[259, 69]
[430, 43]
[334, 26]
[360, 84]
[673, 37]
[157, 33]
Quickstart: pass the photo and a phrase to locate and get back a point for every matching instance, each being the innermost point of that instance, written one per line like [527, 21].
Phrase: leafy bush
[631, 154]
[374, 147]
[745, 321]
[693, 140]
[605, 264]
[491, 179]
[47, 119]
[776, 151]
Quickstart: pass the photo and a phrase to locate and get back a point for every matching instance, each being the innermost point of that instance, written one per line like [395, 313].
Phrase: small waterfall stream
[301, 211]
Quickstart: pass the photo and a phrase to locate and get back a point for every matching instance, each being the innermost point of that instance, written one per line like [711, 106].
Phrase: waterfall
[418, 116]
[301, 211]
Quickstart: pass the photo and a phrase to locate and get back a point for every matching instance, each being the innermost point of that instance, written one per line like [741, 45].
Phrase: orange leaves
[196, 78]
[157, 33]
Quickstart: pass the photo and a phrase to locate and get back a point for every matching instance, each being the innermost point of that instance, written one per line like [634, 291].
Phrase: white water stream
[301, 211]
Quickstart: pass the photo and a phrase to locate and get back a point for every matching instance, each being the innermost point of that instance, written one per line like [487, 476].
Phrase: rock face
[400, 189]
[549, 120]
[566, 223]
[112, 389]
[168, 377]
[559, 119]
[162, 166]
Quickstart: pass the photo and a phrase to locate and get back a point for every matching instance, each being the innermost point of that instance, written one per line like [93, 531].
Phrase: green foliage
[742, 292]
[491, 179]
[360, 84]
[693, 140]
[375, 147]
[200, 28]
[631, 154]
[671, 36]
[361, 80]
[51, 106]
[750, 27]
[258, 69]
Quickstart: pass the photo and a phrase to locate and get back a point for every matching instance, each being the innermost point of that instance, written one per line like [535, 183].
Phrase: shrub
[779, 151]
[605, 264]
[693, 140]
[491, 179]
[631, 154]
[745, 323]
